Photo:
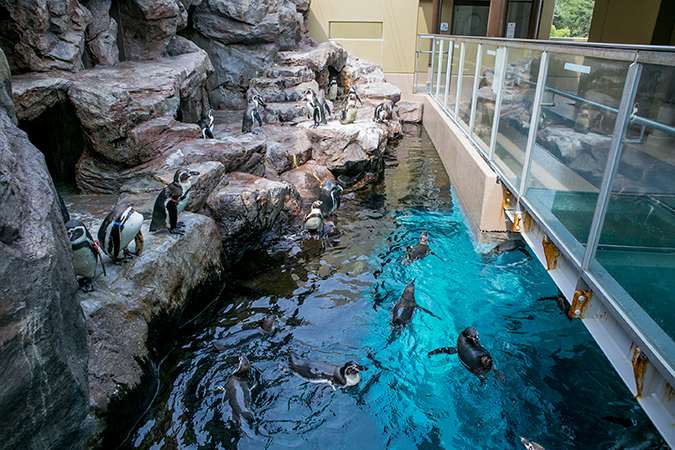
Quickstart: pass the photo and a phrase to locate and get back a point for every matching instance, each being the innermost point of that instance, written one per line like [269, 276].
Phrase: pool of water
[334, 298]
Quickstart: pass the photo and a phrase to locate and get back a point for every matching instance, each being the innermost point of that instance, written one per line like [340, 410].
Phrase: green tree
[575, 15]
[565, 32]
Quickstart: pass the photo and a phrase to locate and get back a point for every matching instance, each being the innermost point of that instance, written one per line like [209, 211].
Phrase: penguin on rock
[349, 113]
[118, 229]
[252, 114]
[316, 107]
[85, 254]
[206, 124]
[171, 201]
[332, 89]
[314, 220]
[329, 196]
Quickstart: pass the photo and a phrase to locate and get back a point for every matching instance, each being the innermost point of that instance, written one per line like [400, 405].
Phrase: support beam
[497, 18]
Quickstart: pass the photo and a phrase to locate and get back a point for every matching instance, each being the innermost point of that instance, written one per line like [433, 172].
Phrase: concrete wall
[624, 21]
[354, 24]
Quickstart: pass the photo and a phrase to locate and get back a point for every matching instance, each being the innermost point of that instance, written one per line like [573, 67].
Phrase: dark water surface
[335, 298]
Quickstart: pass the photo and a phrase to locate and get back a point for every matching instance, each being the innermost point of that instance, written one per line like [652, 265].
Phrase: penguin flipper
[138, 242]
[116, 236]
[100, 258]
[257, 117]
[172, 209]
[498, 375]
[427, 311]
[447, 350]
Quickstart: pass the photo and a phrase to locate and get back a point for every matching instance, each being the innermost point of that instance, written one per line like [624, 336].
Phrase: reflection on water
[334, 299]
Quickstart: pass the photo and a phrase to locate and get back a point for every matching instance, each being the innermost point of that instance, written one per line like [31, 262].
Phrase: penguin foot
[86, 284]
[178, 231]
[254, 132]
[128, 254]
[180, 225]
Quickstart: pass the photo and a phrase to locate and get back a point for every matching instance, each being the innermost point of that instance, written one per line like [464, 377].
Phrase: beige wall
[624, 21]
[394, 50]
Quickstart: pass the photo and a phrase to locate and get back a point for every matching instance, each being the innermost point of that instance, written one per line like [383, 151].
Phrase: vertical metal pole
[474, 92]
[501, 63]
[534, 122]
[615, 148]
[419, 56]
[440, 67]
[431, 75]
[448, 73]
[460, 70]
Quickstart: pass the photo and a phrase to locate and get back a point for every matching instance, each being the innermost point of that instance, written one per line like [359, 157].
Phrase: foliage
[565, 32]
[573, 14]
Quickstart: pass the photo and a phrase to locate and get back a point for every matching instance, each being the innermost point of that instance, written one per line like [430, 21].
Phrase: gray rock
[34, 93]
[363, 72]
[43, 399]
[307, 180]
[318, 59]
[6, 102]
[409, 111]
[101, 34]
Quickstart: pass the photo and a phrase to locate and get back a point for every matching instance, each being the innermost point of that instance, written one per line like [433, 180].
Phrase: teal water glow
[335, 298]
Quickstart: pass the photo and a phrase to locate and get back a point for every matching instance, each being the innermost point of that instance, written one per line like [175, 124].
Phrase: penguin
[418, 251]
[530, 445]
[353, 95]
[518, 243]
[315, 108]
[404, 309]
[117, 231]
[330, 197]
[85, 254]
[314, 220]
[384, 112]
[206, 125]
[322, 372]
[325, 109]
[472, 355]
[583, 122]
[62, 207]
[333, 89]
[237, 339]
[171, 201]
[252, 114]
[349, 113]
[238, 393]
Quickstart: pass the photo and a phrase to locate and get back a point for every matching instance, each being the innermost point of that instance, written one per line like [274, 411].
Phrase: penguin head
[182, 176]
[268, 323]
[486, 362]
[351, 368]
[243, 368]
[424, 238]
[471, 334]
[409, 290]
[259, 100]
[317, 204]
[77, 232]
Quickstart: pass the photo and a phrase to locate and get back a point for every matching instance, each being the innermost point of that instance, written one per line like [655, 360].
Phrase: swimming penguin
[252, 114]
[332, 89]
[329, 196]
[314, 220]
[517, 243]
[349, 113]
[117, 231]
[206, 125]
[384, 112]
[239, 338]
[404, 309]
[582, 124]
[85, 254]
[418, 251]
[345, 376]
[316, 106]
[472, 355]
[530, 445]
[238, 393]
[171, 201]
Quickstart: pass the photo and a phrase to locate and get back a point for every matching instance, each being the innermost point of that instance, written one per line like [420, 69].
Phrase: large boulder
[44, 391]
[101, 35]
[410, 111]
[133, 315]
[34, 93]
[318, 59]
[6, 103]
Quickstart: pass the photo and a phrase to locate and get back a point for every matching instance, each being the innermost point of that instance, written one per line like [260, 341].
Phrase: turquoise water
[335, 297]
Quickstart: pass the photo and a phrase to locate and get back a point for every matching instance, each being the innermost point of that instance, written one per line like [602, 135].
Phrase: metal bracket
[580, 303]
[551, 252]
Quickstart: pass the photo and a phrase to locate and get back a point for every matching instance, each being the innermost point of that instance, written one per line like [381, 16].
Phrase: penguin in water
[206, 125]
[117, 231]
[321, 372]
[171, 201]
[404, 309]
[530, 445]
[517, 243]
[85, 254]
[238, 393]
[316, 107]
[314, 220]
[349, 113]
[332, 89]
[418, 251]
[252, 114]
[472, 355]
[237, 339]
[329, 196]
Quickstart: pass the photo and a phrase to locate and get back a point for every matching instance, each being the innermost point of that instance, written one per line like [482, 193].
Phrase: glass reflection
[468, 74]
[487, 95]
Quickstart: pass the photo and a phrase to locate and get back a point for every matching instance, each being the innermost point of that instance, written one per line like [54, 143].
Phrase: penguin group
[330, 194]
[122, 226]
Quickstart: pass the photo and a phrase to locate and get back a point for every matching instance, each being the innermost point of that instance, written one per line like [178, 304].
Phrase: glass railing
[584, 136]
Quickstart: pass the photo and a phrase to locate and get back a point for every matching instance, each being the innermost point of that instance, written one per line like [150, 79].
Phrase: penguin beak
[357, 368]
[193, 173]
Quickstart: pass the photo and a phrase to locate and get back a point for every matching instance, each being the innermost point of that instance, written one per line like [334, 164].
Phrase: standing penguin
[171, 201]
[117, 231]
[314, 220]
[349, 113]
[238, 393]
[316, 109]
[206, 125]
[332, 89]
[330, 197]
[252, 114]
[85, 254]
[472, 355]
[353, 94]
[582, 124]
[404, 309]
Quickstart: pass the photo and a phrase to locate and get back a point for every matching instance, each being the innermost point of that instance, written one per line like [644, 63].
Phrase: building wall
[624, 21]
[381, 31]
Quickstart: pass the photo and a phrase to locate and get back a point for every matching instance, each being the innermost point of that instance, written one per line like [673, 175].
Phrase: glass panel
[424, 66]
[485, 104]
[433, 69]
[454, 71]
[442, 61]
[519, 13]
[637, 243]
[468, 74]
[574, 134]
[522, 69]
[469, 20]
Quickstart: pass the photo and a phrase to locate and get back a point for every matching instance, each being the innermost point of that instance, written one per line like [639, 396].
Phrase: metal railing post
[448, 73]
[440, 67]
[534, 122]
[474, 92]
[498, 80]
[432, 64]
[622, 120]
[419, 56]
[460, 69]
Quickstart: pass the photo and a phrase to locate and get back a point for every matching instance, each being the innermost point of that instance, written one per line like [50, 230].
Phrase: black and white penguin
[321, 372]
[582, 124]
[418, 251]
[472, 355]
[314, 220]
[239, 338]
[530, 445]
[315, 107]
[85, 254]
[171, 201]
[517, 243]
[118, 229]
[332, 89]
[238, 393]
[353, 95]
[252, 114]
[323, 104]
[329, 196]
[349, 113]
[404, 309]
[384, 112]
[206, 125]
